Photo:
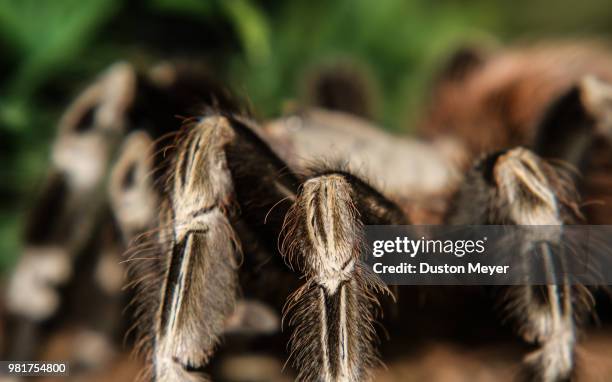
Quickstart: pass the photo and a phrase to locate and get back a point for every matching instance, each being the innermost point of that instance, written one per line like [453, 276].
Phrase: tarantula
[227, 188]
[230, 209]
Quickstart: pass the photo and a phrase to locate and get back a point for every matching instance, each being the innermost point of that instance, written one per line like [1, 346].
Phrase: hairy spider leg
[333, 313]
[517, 187]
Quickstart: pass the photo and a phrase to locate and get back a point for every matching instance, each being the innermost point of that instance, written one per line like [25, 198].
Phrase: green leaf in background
[9, 247]
[44, 35]
[252, 27]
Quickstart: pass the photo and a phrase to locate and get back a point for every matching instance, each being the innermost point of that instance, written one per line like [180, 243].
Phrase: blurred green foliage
[263, 49]
[43, 36]
[395, 40]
